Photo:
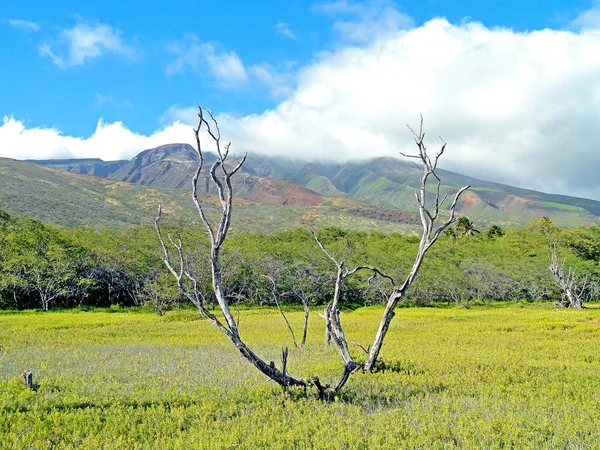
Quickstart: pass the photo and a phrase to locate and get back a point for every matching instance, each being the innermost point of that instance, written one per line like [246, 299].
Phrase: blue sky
[334, 79]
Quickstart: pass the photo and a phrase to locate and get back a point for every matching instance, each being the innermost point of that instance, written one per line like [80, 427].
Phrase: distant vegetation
[46, 266]
[74, 200]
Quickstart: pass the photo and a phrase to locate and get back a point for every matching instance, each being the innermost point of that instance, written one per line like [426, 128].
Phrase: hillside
[276, 192]
[71, 200]
[390, 182]
[85, 166]
[385, 183]
[173, 166]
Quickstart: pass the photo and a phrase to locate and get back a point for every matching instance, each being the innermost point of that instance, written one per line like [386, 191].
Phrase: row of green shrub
[45, 266]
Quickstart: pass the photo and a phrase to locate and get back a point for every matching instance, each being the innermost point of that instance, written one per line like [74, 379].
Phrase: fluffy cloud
[109, 141]
[521, 108]
[226, 67]
[518, 108]
[85, 42]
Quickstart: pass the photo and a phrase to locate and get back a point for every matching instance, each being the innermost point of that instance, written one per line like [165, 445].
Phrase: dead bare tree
[221, 175]
[571, 285]
[333, 325]
[217, 233]
[430, 234]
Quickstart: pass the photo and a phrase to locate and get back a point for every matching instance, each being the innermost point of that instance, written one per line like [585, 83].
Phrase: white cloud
[284, 29]
[588, 19]
[365, 21]
[25, 25]
[518, 108]
[85, 42]
[226, 67]
[228, 70]
[110, 141]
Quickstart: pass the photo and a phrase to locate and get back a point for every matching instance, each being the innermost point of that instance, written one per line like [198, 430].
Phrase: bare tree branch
[179, 277]
[571, 285]
[217, 235]
[274, 295]
[333, 324]
[428, 237]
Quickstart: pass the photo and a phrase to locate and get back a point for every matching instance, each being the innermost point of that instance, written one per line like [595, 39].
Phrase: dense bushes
[44, 266]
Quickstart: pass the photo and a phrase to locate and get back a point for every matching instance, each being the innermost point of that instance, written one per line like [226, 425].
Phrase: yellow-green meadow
[508, 376]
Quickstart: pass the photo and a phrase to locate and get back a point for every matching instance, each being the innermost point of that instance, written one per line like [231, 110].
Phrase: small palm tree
[465, 227]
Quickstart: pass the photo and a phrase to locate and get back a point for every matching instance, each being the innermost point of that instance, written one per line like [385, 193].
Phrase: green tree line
[46, 266]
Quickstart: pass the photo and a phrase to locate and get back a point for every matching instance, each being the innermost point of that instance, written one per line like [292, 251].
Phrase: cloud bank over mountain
[516, 107]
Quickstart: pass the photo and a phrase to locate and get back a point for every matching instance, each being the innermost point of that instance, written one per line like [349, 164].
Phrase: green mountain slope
[72, 200]
[380, 185]
[391, 183]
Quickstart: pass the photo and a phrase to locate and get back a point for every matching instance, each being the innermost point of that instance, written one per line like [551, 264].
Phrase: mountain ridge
[76, 200]
[385, 183]
[84, 166]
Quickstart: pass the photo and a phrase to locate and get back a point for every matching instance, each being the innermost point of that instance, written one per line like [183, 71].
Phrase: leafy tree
[495, 231]
[543, 225]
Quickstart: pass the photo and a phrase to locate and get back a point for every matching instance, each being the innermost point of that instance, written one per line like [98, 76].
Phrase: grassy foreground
[504, 377]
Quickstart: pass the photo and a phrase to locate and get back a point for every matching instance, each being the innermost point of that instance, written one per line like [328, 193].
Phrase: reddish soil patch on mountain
[283, 192]
[469, 200]
[512, 202]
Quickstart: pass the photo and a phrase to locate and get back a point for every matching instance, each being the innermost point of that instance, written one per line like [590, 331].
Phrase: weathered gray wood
[28, 379]
[333, 324]
[429, 235]
[305, 326]
[274, 295]
[572, 287]
[217, 231]
[221, 176]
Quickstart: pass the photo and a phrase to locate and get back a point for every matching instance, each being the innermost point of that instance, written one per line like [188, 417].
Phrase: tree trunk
[325, 316]
[305, 328]
[384, 326]
[567, 283]
[393, 300]
[28, 379]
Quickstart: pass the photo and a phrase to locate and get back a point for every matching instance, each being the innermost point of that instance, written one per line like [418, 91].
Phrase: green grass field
[502, 377]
